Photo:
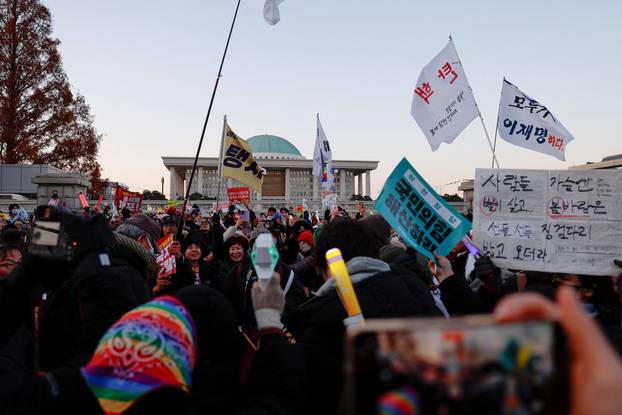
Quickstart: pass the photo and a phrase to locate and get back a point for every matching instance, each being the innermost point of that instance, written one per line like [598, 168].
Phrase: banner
[443, 104]
[526, 123]
[323, 158]
[166, 260]
[240, 195]
[420, 216]
[567, 221]
[238, 162]
[126, 199]
[329, 200]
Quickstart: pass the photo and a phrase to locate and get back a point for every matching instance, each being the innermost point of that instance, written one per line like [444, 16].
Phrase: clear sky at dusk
[147, 69]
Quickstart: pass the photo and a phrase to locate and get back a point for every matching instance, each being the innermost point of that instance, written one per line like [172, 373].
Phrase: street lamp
[162, 181]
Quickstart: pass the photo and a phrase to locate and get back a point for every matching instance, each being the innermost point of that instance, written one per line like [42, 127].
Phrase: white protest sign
[166, 260]
[525, 122]
[443, 104]
[567, 221]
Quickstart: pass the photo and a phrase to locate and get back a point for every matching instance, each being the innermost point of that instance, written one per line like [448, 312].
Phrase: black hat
[11, 238]
[169, 219]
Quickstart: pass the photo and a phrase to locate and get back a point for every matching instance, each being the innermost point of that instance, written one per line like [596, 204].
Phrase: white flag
[525, 122]
[271, 11]
[443, 103]
[322, 158]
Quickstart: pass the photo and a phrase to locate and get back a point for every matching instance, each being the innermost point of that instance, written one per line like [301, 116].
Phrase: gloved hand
[268, 303]
[487, 272]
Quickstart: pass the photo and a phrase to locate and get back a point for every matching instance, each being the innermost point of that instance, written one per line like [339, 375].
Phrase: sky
[147, 69]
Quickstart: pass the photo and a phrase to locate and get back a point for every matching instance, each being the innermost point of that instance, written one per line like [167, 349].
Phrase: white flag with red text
[443, 104]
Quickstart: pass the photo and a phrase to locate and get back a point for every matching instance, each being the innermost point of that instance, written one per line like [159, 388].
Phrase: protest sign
[224, 206]
[171, 203]
[126, 199]
[443, 104]
[239, 195]
[329, 200]
[83, 200]
[420, 216]
[566, 221]
[525, 122]
[166, 260]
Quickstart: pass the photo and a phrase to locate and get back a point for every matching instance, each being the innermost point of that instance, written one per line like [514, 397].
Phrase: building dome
[273, 147]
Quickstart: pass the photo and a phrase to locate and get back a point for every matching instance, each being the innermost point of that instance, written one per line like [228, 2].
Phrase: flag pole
[222, 141]
[479, 113]
[494, 146]
[494, 157]
[209, 110]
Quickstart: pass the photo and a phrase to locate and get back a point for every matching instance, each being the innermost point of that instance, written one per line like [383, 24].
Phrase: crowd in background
[79, 316]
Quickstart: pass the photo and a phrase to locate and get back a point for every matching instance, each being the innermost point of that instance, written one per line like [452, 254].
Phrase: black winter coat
[319, 324]
[237, 289]
[73, 319]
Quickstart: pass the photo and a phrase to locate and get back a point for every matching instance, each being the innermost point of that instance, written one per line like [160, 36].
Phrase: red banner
[126, 199]
[241, 195]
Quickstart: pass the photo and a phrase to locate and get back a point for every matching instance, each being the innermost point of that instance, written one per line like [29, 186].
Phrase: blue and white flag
[525, 122]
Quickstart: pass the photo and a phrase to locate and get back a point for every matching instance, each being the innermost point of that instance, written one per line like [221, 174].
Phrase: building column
[172, 183]
[316, 188]
[342, 184]
[367, 184]
[181, 188]
[360, 180]
[287, 193]
[200, 180]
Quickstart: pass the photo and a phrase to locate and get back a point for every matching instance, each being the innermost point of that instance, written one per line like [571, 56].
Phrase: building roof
[273, 146]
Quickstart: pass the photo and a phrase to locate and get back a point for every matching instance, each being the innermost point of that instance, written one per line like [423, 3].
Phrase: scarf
[150, 347]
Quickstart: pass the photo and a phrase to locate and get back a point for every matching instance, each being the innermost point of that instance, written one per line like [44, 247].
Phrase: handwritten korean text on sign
[420, 216]
[567, 221]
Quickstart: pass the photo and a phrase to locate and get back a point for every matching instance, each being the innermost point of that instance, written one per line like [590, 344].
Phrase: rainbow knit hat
[151, 347]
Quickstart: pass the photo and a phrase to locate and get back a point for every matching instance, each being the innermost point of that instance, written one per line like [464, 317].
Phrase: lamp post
[162, 181]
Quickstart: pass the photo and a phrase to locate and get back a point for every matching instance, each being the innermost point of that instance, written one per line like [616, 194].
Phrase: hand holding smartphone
[468, 365]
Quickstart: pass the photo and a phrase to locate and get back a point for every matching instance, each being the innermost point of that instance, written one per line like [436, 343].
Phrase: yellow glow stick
[346, 292]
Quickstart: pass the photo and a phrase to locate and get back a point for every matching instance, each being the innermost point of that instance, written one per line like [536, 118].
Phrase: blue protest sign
[418, 214]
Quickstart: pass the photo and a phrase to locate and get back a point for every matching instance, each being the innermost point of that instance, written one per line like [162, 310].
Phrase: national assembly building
[288, 178]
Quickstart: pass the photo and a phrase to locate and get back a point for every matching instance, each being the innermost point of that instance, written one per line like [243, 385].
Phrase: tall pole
[222, 143]
[209, 110]
[494, 146]
[479, 113]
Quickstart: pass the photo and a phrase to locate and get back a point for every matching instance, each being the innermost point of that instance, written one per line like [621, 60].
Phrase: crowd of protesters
[90, 324]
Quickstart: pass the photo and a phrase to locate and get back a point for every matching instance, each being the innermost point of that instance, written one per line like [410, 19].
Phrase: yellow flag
[238, 162]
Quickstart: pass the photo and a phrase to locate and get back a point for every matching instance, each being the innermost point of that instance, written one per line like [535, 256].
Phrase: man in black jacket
[383, 292]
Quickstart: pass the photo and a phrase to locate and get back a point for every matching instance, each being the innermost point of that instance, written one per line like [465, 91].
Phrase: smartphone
[468, 365]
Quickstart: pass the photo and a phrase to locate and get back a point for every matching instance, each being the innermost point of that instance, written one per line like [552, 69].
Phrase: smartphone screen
[461, 366]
